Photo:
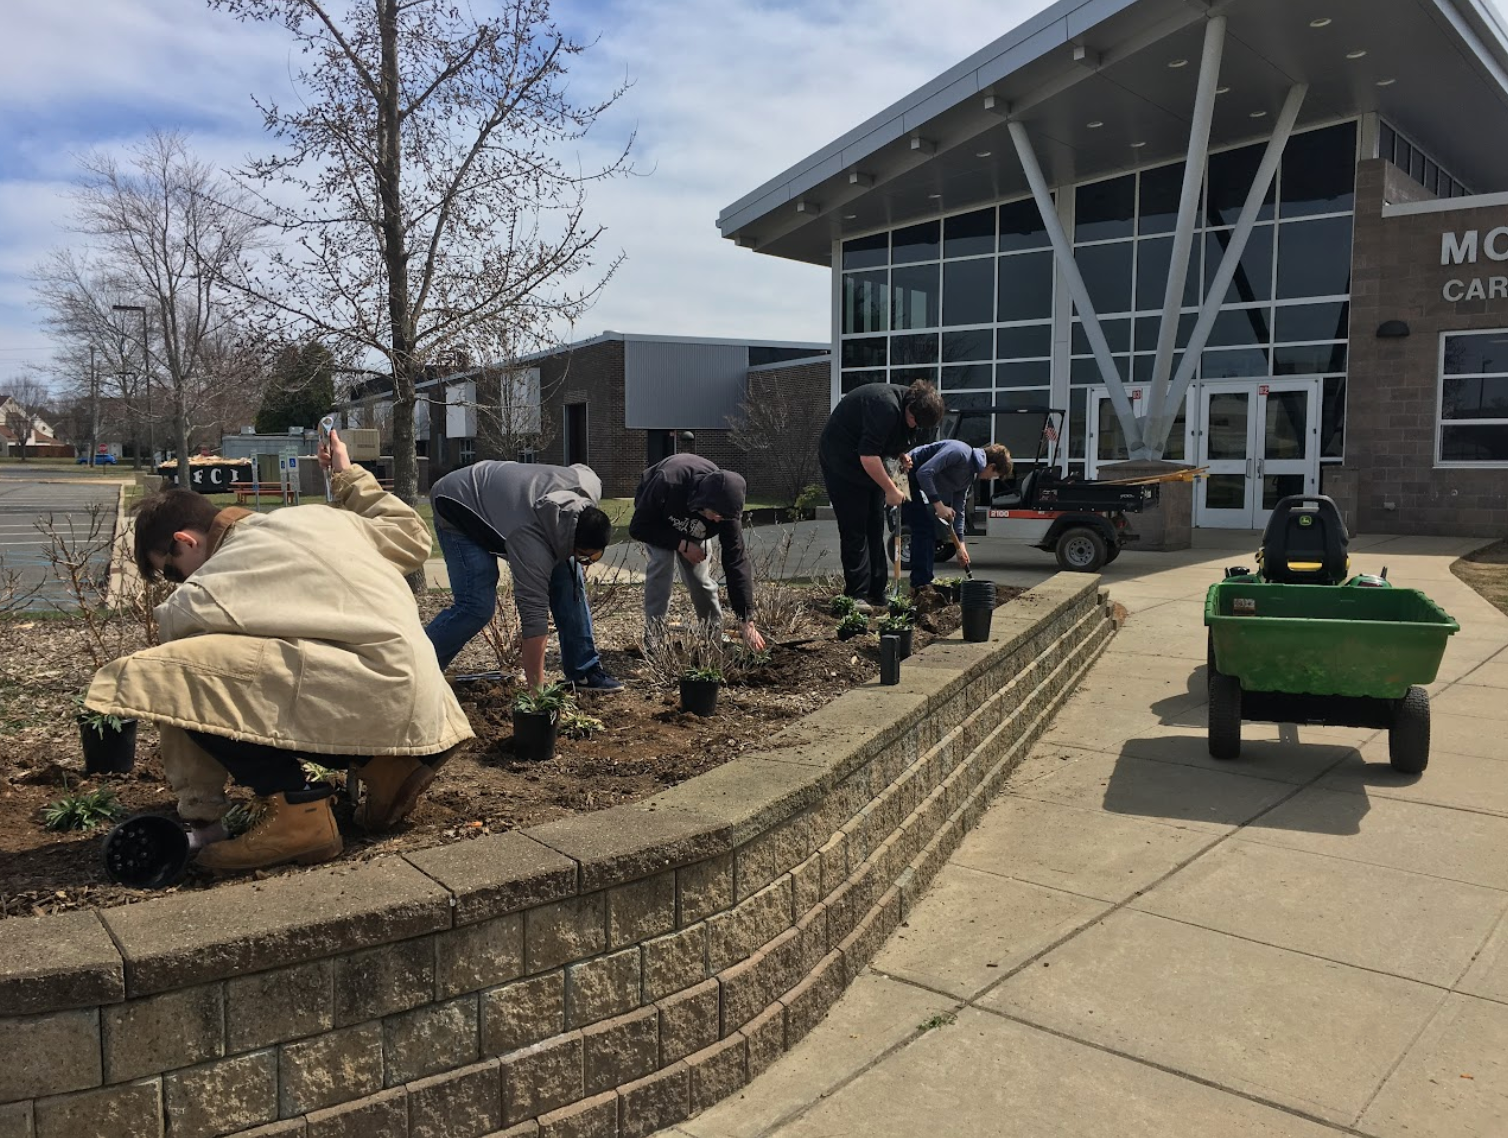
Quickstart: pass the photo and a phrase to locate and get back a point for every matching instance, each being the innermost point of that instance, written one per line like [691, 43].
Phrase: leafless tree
[26, 399]
[512, 416]
[165, 229]
[782, 434]
[440, 214]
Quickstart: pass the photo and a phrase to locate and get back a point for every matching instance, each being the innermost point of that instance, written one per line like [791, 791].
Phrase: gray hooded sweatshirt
[525, 512]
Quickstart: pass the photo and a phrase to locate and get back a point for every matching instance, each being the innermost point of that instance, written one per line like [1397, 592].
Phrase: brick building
[620, 402]
[1266, 237]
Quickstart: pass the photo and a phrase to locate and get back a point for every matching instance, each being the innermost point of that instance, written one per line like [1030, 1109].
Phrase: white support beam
[1188, 208]
[1063, 252]
[1266, 171]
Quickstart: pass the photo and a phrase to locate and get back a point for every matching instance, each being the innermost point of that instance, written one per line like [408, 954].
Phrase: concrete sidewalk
[1139, 940]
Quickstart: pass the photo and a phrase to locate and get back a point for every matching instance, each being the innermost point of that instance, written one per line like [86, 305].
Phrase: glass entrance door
[1260, 442]
[1106, 441]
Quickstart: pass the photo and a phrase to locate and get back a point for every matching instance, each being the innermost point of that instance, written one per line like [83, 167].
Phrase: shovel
[958, 542]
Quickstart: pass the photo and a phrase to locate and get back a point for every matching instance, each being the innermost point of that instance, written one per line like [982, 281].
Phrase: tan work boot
[390, 788]
[296, 826]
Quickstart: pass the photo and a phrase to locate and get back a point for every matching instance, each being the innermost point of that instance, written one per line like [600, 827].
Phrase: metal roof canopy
[1110, 62]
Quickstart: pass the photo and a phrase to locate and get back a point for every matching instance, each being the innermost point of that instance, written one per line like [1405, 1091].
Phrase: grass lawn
[1486, 571]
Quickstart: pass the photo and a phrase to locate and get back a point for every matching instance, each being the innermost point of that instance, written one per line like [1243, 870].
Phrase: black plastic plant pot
[890, 658]
[699, 697]
[108, 750]
[976, 624]
[534, 735]
[849, 633]
[948, 593]
[977, 594]
[146, 852]
[904, 636]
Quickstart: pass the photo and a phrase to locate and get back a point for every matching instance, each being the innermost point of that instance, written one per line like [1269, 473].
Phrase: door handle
[1250, 462]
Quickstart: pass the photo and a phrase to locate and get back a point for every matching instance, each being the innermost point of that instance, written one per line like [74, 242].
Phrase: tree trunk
[181, 438]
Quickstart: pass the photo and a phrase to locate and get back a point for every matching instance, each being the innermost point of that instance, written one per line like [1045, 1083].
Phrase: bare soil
[647, 744]
[1486, 571]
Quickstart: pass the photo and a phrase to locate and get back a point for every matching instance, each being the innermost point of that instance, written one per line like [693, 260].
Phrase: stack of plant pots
[977, 599]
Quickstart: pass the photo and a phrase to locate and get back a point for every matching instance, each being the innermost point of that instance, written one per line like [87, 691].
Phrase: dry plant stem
[503, 636]
[80, 559]
[15, 594]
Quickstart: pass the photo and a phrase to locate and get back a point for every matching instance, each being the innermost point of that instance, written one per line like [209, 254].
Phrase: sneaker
[864, 608]
[597, 682]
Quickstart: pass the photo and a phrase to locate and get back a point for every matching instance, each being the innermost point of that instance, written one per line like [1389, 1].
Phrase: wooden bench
[249, 491]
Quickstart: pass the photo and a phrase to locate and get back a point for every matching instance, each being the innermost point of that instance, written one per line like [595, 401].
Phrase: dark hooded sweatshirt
[667, 511]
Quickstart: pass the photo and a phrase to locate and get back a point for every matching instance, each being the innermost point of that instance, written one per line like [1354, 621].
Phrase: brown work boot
[295, 826]
[390, 788]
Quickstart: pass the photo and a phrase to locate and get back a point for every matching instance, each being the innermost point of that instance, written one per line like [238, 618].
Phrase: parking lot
[26, 503]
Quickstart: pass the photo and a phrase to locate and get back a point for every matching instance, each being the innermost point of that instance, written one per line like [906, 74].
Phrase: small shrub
[854, 624]
[843, 606]
[578, 725]
[895, 623]
[550, 698]
[83, 811]
[705, 674]
[902, 607]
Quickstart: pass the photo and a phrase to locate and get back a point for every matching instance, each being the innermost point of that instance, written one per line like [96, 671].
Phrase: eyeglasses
[168, 571]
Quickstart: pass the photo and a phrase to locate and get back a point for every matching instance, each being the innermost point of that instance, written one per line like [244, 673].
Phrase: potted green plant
[948, 588]
[904, 607]
[536, 719]
[899, 627]
[699, 687]
[844, 605]
[109, 742]
[854, 624]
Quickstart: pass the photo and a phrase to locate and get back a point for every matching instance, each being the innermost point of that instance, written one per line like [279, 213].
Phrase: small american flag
[1050, 433]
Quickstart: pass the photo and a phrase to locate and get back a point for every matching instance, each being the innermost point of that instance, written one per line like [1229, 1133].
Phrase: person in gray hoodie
[545, 521]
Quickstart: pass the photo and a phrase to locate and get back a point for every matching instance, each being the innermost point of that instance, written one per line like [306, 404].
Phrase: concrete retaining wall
[605, 975]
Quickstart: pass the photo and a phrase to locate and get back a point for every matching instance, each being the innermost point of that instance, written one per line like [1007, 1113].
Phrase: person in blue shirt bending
[941, 474]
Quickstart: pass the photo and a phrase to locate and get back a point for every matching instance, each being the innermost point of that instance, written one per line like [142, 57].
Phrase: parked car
[103, 459]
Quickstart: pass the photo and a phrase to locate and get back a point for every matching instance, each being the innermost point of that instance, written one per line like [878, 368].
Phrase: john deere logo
[1306, 521]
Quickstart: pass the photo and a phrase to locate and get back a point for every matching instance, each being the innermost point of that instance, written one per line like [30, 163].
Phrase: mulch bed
[647, 744]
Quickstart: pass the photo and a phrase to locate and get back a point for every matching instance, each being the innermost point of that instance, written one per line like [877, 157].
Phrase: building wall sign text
[1469, 248]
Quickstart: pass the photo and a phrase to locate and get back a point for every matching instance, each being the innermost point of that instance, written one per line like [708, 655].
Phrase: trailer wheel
[1112, 553]
[905, 540]
[1081, 550]
[1225, 716]
[1408, 740]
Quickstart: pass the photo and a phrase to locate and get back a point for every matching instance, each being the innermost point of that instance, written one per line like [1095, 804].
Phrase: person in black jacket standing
[870, 424]
[681, 502]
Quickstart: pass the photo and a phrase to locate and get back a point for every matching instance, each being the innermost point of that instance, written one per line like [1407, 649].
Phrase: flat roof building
[1269, 237]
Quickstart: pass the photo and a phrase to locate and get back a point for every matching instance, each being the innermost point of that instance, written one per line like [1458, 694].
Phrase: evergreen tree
[302, 389]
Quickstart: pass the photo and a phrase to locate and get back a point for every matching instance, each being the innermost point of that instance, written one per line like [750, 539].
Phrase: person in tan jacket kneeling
[292, 635]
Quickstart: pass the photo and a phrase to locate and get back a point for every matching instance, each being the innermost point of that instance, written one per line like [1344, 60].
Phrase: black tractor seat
[1305, 543]
[1023, 493]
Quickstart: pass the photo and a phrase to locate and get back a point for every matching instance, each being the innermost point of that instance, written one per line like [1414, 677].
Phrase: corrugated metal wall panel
[671, 386]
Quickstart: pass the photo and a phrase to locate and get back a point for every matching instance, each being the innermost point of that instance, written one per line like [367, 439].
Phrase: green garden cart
[1299, 640]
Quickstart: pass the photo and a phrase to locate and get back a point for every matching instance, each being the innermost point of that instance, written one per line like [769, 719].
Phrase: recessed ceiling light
[1386, 82]
[850, 217]
[1321, 22]
[1357, 54]
[1259, 114]
[1178, 63]
[934, 197]
[1222, 90]
[1137, 145]
[983, 153]
[1095, 125]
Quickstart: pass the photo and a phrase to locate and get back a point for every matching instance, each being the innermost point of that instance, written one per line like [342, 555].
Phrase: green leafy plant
[97, 721]
[705, 674]
[810, 495]
[902, 607]
[854, 624]
[948, 582]
[895, 623]
[83, 811]
[550, 698]
[941, 1019]
[579, 725]
[843, 605]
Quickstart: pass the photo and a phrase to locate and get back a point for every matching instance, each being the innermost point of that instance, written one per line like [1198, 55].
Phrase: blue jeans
[923, 522]
[473, 590]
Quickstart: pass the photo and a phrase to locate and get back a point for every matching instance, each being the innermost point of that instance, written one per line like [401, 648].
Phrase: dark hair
[594, 529]
[924, 403]
[159, 516]
[997, 456]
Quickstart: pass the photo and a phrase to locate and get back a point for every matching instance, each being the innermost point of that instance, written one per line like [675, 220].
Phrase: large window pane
[1021, 227]
[913, 349]
[1319, 171]
[1481, 443]
[958, 347]
[1253, 279]
[1106, 270]
[1314, 322]
[1087, 371]
[969, 234]
[1333, 418]
[976, 376]
[1314, 258]
[1308, 359]
[1077, 422]
[1117, 335]
[913, 297]
[1386, 137]
[1476, 354]
[1141, 367]
[1241, 363]
[1477, 397]
[864, 302]
[1286, 431]
[909, 375]
[1104, 209]
[866, 252]
[915, 243]
[1034, 373]
[1153, 258]
[1026, 342]
[869, 352]
[853, 379]
[1239, 326]
[1160, 190]
[969, 291]
[1025, 287]
[1148, 328]
[971, 401]
[1232, 173]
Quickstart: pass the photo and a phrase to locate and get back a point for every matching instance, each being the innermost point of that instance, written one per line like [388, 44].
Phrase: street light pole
[93, 408]
[146, 371]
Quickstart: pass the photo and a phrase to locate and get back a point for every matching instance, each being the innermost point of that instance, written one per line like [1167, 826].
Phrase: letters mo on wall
[1467, 249]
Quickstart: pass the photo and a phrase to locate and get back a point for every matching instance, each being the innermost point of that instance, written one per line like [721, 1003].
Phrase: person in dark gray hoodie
[545, 521]
[681, 502]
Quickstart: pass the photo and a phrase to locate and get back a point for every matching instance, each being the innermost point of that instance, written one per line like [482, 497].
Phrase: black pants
[266, 770]
[859, 509]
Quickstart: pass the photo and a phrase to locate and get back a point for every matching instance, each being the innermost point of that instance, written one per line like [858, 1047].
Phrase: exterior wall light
[1390, 329]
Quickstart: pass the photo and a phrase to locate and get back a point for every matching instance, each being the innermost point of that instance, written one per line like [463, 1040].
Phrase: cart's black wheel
[1408, 740]
[1225, 716]
[905, 540]
[1081, 550]
[1209, 656]
[1112, 553]
[944, 552]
